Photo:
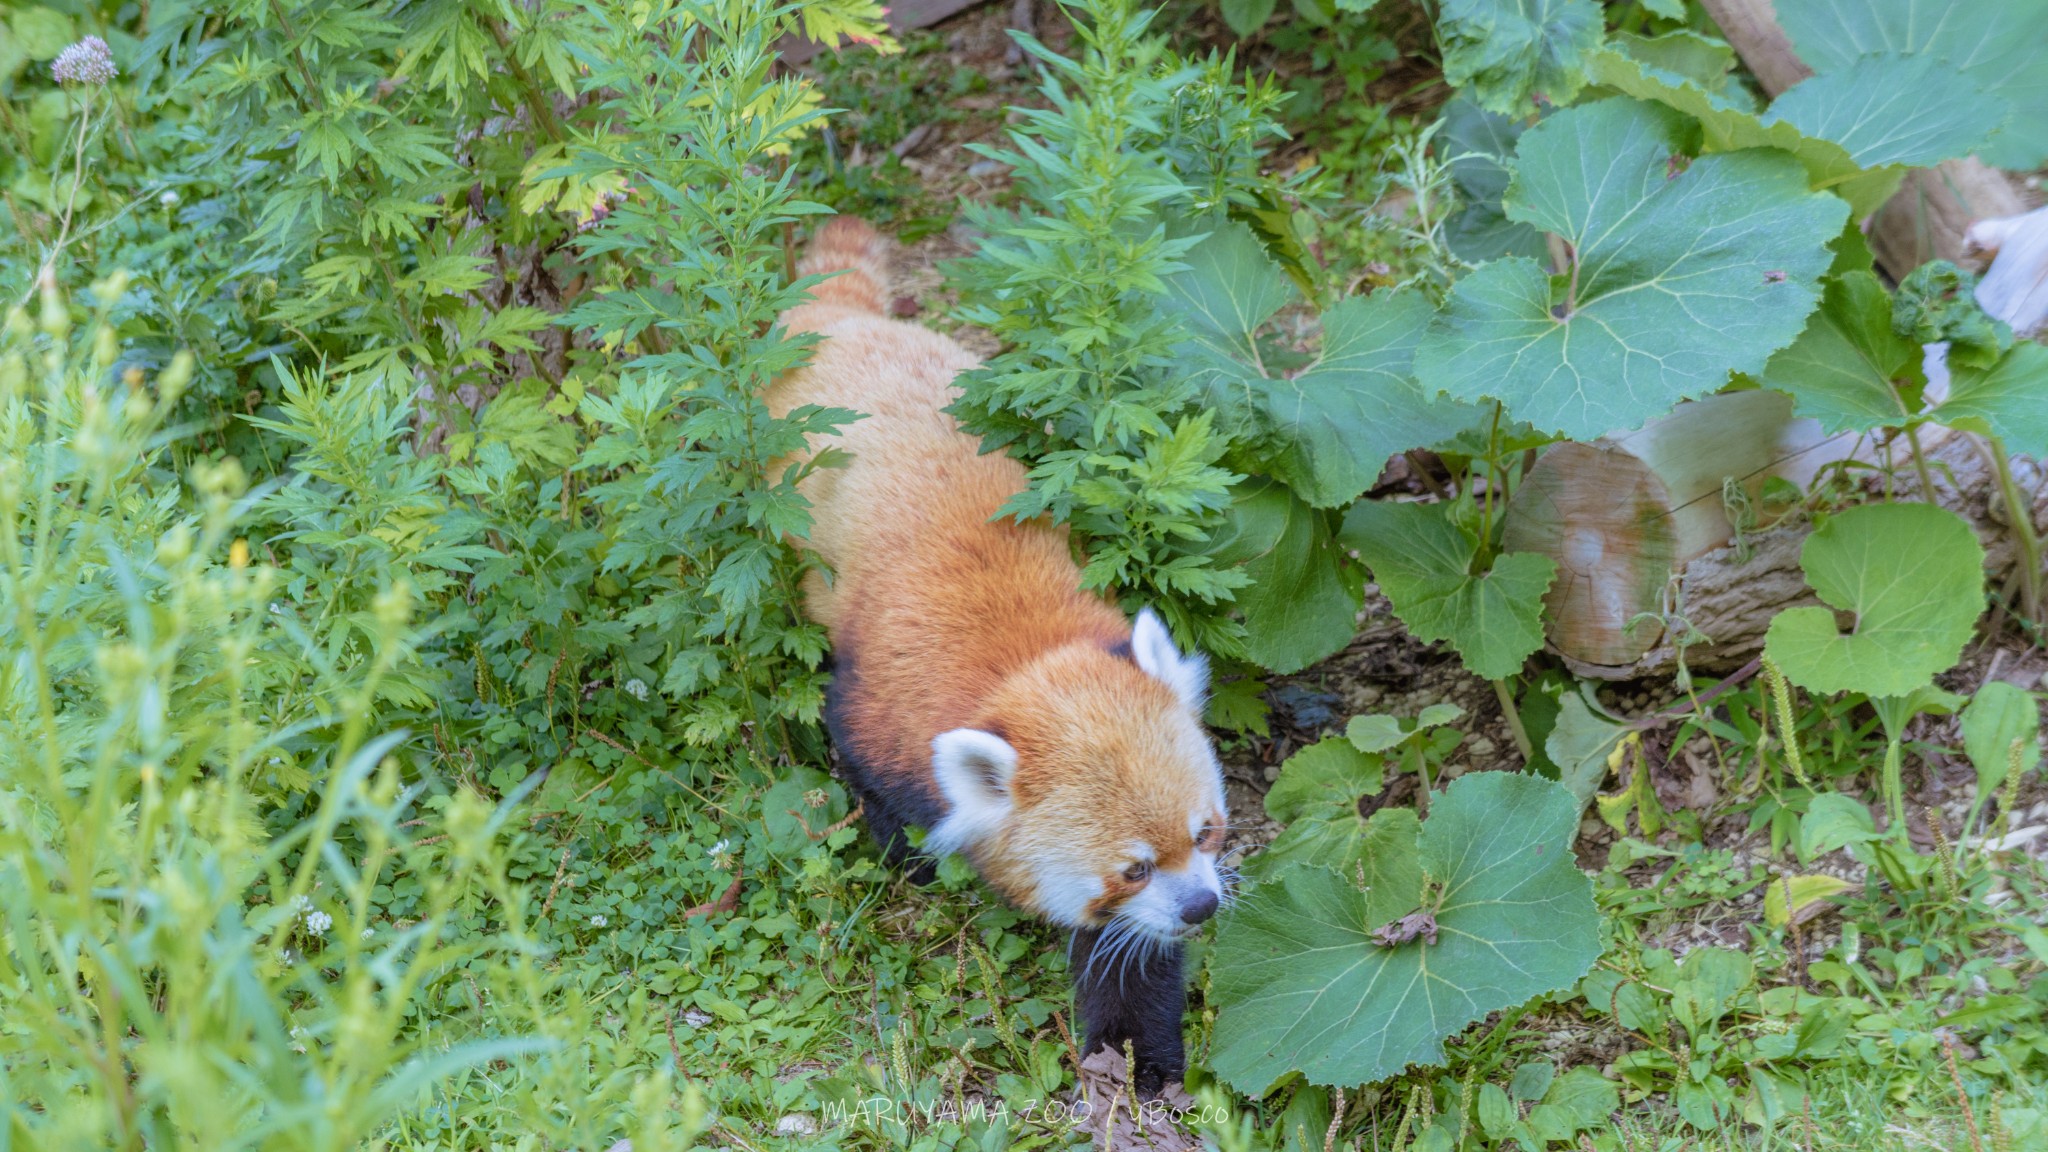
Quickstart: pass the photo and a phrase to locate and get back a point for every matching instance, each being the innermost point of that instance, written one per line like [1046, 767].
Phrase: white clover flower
[598, 921]
[318, 923]
[721, 854]
[636, 688]
[169, 199]
[369, 932]
[88, 62]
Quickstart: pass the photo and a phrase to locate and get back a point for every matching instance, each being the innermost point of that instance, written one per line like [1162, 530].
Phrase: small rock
[983, 169]
[1482, 747]
[1271, 772]
[796, 1124]
[904, 307]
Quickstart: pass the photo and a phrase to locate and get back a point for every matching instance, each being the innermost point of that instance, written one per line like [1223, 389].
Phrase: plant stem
[1514, 719]
[2019, 515]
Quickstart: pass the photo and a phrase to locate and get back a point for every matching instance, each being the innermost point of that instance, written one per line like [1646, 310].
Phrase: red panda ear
[973, 769]
[1152, 647]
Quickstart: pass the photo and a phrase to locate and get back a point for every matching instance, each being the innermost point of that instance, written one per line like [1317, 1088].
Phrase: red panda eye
[1138, 873]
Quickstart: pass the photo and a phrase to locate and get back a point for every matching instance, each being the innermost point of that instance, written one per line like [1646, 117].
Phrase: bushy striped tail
[850, 246]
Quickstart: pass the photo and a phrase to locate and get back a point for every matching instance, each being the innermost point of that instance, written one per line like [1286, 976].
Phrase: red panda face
[1091, 793]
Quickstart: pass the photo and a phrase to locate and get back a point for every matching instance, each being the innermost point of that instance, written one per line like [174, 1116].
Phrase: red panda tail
[850, 246]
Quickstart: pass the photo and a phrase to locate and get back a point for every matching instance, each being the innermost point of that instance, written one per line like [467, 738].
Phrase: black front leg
[1139, 998]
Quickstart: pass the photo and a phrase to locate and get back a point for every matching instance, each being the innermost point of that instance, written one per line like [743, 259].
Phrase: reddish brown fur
[954, 620]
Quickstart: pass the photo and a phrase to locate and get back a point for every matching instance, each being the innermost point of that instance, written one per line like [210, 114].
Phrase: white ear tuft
[973, 769]
[1152, 646]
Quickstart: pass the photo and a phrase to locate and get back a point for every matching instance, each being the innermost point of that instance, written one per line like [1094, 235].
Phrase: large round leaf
[1911, 577]
[1728, 126]
[1891, 109]
[1685, 271]
[1997, 45]
[1302, 984]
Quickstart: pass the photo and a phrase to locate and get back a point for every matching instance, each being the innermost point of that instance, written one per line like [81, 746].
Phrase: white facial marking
[1157, 908]
[1152, 647]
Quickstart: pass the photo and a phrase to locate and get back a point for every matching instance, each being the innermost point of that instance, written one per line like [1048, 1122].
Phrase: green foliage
[1428, 564]
[1912, 577]
[1681, 271]
[1993, 47]
[1312, 977]
[1514, 55]
[1911, 110]
[1086, 391]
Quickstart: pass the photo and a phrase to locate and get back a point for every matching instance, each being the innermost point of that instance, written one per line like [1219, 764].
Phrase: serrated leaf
[1911, 575]
[1999, 46]
[1684, 276]
[1850, 370]
[1507, 53]
[1728, 125]
[2010, 400]
[1326, 777]
[1423, 563]
[1687, 57]
[1328, 429]
[1302, 606]
[1477, 146]
[1998, 715]
[1301, 984]
[1891, 109]
[1332, 836]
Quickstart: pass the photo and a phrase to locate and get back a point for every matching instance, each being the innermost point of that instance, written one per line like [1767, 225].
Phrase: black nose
[1198, 908]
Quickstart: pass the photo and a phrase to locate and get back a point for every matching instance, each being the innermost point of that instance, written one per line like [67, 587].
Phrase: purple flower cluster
[89, 61]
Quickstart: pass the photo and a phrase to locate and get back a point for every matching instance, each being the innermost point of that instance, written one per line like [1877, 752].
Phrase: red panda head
[1089, 792]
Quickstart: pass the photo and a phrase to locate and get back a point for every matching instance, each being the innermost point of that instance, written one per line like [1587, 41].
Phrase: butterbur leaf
[1850, 370]
[1891, 109]
[1302, 983]
[1423, 562]
[1329, 427]
[1686, 270]
[1997, 47]
[2009, 400]
[1727, 123]
[1478, 145]
[1303, 602]
[1329, 776]
[1912, 578]
[1508, 54]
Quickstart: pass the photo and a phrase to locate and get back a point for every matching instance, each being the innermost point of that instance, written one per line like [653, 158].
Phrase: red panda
[978, 691]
